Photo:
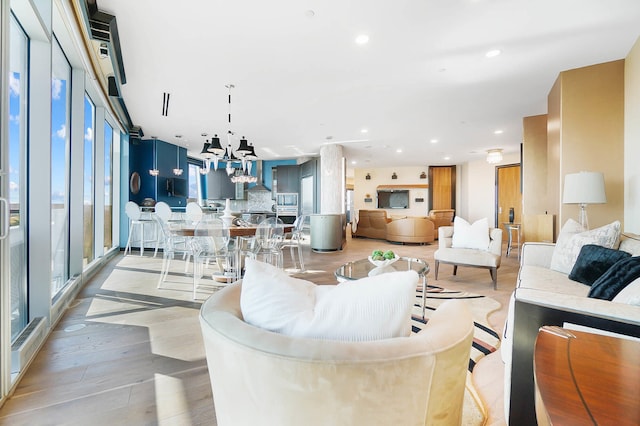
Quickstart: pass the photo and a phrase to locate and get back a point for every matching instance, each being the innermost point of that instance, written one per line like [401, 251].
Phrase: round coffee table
[362, 268]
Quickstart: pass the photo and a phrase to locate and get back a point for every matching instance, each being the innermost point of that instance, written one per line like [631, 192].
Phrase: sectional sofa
[376, 224]
[545, 296]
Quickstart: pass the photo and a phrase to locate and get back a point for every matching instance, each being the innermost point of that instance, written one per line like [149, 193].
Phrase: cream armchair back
[489, 258]
[265, 378]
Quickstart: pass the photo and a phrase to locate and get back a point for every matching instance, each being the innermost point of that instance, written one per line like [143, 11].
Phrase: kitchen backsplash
[259, 201]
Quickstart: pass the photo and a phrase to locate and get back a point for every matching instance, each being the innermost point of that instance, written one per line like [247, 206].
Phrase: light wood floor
[129, 353]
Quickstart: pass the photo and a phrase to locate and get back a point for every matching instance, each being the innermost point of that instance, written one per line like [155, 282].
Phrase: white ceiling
[300, 78]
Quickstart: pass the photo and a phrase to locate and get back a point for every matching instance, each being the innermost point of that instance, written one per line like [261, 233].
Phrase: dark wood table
[586, 379]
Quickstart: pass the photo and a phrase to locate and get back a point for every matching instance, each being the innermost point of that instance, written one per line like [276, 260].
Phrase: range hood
[259, 186]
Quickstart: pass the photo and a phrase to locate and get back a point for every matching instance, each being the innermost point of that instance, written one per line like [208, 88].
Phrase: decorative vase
[511, 215]
[227, 217]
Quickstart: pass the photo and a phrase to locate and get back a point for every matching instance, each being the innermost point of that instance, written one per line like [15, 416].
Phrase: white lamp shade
[584, 188]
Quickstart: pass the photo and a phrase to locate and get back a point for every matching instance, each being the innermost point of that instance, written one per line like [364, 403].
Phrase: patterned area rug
[485, 339]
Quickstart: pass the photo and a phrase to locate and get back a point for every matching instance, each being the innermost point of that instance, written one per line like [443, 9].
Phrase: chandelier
[214, 152]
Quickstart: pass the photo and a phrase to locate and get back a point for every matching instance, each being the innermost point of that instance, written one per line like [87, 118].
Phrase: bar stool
[136, 220]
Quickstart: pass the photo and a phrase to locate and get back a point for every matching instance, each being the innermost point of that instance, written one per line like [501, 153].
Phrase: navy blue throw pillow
[593, 261]
[621, 274]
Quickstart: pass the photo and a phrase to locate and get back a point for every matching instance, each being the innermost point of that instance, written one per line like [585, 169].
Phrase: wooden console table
[586, 379]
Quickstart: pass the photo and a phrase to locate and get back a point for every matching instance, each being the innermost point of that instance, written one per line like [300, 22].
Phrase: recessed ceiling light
[447, 158]
[310, 13]
[364, 130]
[398, 150]
[434, 141]
[493, 53]
[498, 132]
[354, 162]
[362, 39]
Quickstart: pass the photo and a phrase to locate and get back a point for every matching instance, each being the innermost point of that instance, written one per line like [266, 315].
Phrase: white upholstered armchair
[478, 258]
[266, 378]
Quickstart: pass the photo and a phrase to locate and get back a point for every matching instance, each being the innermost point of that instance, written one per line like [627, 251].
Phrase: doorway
[508, 195]
[442, 187]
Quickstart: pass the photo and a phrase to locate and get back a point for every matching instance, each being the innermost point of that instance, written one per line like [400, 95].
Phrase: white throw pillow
[571, 239]
[473, 236]
[273, 300]
[371, 308]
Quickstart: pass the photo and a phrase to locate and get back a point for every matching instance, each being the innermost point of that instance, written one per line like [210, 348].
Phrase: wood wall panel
[592, 135]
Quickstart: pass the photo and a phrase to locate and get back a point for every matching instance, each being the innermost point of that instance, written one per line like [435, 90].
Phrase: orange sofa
[371, 224]
[411, 230]
[376, 224]
[443, 217]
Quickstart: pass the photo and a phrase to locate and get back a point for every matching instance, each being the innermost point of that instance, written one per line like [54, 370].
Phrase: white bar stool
[136, 220]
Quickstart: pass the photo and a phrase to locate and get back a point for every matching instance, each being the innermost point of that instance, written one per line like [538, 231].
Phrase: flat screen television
[393, 199]
[177, 187]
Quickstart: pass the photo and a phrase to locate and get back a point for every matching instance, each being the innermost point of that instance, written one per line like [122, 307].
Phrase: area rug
[485, 339]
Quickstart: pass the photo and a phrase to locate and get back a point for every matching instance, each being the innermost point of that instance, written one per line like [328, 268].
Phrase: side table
[583, 378]
[510, 227]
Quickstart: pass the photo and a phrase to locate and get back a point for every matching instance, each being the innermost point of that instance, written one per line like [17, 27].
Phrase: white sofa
[547, 297]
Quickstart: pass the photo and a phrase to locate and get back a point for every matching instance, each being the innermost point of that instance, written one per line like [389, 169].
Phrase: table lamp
[584, 188]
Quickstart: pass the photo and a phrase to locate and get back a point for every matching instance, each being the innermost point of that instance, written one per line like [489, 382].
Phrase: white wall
[382, 176]
[476, 192]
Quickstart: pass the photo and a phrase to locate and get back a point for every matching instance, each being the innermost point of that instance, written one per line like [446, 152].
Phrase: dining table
[234, 231]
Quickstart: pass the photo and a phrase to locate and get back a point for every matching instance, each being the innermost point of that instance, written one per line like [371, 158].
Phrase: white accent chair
[489, 259]
[266, 378]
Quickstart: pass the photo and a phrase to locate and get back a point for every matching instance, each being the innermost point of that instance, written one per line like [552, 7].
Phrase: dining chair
[181, 243]
[211, 243]
[172, 244]
[246, 246]
[269, 236]
[137, 221]
[193, 212]
[294, 239]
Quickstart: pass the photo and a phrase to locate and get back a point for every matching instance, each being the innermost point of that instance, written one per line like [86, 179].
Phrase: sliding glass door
[18, 84]
[60, 166]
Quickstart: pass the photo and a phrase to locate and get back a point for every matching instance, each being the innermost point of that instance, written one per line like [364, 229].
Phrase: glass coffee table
[362, 268]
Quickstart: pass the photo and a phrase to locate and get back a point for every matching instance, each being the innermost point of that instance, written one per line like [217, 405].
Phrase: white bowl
[382, 263]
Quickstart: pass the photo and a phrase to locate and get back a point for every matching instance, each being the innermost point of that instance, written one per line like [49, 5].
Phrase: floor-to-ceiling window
[194, 181]
[52, 109]
[60, 165]
[108, 186]
[88, 253]
[18, 98]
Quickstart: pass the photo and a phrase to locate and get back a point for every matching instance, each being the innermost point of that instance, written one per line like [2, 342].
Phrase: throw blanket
[617, 277]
